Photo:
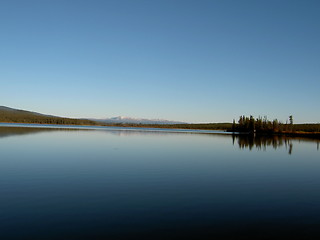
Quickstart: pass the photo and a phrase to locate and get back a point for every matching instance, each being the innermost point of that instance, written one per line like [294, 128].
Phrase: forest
[264, 125]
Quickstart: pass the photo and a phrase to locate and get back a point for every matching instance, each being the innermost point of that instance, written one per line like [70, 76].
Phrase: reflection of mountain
[263, 142]
[12, 131]
[21, 130]
[125, 133]
[243, 141]
[137, 132]
[15, 131]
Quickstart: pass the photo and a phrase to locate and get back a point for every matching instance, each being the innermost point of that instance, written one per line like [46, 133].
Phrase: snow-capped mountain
[122, 119]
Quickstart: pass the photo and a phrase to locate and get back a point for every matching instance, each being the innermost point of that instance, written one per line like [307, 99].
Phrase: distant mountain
[121, 119]
[22, 116]
[12, 115]
[4, 109]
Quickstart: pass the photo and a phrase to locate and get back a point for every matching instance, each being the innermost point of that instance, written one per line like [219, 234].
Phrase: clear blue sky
[194, 61]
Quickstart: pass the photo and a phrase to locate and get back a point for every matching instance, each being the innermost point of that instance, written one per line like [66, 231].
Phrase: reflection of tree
[290, 149]
[262, 142]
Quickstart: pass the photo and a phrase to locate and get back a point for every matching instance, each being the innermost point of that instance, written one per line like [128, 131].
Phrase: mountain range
[22, 116]
[122, 119]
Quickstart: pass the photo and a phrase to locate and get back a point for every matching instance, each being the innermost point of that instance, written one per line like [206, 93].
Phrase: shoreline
[113, 127]
[191, 126]
[313, 135]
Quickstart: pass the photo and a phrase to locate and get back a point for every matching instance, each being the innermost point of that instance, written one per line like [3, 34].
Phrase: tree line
[262, 125]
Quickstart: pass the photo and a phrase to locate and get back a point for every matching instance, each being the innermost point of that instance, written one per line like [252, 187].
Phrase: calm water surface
[122, 184]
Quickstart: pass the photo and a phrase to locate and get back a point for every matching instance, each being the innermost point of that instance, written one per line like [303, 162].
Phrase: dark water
[109, 184]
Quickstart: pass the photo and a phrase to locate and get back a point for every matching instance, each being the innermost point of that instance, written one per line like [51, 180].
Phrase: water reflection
[12, 131]
[263, 142]
[17, 131]
[6, 131]
[71, 184]
[141, 131]
[244, 141]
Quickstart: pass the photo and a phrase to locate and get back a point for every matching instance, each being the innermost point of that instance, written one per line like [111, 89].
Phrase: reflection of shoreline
[114, 128]
[16, 131]
[261, 142]
[244, 141]
[120, 131]
[138, 132]
[7, 131]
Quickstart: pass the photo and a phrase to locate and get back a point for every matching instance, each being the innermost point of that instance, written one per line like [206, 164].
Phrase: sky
[192, 61]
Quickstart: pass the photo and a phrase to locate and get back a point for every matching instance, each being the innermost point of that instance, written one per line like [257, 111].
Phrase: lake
[110, 183]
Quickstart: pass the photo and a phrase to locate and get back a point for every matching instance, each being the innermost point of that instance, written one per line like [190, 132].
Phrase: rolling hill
[11, 115]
